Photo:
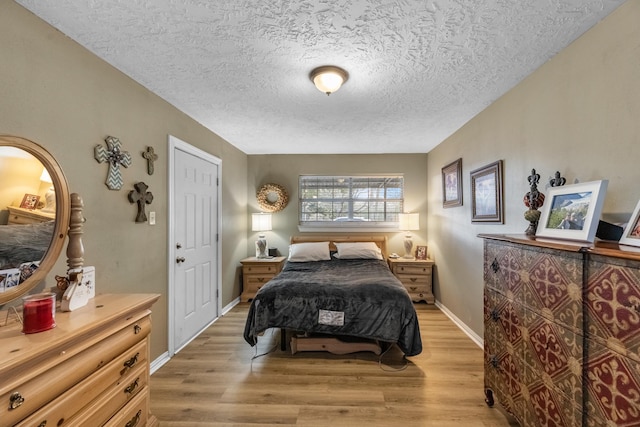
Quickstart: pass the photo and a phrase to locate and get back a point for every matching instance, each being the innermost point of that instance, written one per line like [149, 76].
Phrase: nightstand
[256, 272]
[415, 275]
[27, 216]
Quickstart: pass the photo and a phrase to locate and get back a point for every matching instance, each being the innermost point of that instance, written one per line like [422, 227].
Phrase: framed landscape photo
[631, 235]
[29, 201]
[486, 194]
[452, 184]
[572, 212]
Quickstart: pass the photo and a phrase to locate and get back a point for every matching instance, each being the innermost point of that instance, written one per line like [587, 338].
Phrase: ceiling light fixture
[328, 78]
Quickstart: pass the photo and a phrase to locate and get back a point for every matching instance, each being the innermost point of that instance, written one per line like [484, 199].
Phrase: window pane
[374, 199]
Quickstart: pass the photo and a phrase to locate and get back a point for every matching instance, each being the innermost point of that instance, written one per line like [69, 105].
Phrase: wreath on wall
[272, 197]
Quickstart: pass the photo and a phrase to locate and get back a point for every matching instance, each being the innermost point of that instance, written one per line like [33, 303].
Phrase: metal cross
[151, 157]
[115, 157]
[142, 197]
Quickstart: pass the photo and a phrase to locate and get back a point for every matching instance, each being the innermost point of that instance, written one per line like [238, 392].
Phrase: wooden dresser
[256, 272]
[416, 276]
[562, 331]
[19, 215]
[92, 369]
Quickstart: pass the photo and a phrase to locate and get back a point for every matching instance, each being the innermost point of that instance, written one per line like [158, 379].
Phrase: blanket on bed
[354, 297]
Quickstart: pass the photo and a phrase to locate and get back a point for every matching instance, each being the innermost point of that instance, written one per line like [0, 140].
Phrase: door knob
[180, 259]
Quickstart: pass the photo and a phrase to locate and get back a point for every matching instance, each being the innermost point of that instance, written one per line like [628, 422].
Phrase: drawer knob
[260, 279]
[413, 279]
[131, 362]
[137, 329]
[495, 266]
[413, 288]
[131, 387]
[134, 421]
[15, 400]
[42, 424]
[495, 315]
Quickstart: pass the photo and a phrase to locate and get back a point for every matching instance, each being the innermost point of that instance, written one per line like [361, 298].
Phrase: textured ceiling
[419, 70]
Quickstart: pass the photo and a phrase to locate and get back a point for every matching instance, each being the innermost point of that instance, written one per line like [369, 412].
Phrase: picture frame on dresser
[421, 252]
[486, 193]
[631, 234]
[452, 184]
[572, 212]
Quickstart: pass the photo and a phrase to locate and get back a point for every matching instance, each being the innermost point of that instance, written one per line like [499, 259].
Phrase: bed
[341, 303]
[22, 246]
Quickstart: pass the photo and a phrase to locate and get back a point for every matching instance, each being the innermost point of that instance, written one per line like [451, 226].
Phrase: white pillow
[358, 250]
[311, 251]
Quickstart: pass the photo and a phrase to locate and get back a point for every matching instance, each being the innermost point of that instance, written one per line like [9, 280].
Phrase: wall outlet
[152, 218]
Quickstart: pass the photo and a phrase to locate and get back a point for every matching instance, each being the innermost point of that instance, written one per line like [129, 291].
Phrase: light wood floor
[214, 382]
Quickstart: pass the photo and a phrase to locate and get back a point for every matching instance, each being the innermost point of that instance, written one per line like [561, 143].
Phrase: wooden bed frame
[331, 344]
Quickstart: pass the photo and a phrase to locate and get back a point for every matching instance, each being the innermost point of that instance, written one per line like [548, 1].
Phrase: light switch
[152, 218]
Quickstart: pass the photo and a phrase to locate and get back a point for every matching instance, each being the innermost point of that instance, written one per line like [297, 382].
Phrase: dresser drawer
[415, 280]
[135, 414]
[61, 411]
[410, 269]
[112, 399]
[264, 269]
[23, 400]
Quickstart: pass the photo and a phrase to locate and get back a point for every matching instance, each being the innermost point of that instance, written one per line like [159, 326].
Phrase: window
[351, 201]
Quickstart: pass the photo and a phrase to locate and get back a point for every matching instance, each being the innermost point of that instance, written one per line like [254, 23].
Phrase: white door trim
[178, 144]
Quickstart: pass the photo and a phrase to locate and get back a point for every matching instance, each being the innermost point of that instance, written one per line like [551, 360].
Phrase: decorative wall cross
[142, 197]
[151, 157]
[115, 157]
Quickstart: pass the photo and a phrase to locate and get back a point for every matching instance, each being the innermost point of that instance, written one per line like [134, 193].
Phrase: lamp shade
[409, 221]
[261, 222]
[45, 177]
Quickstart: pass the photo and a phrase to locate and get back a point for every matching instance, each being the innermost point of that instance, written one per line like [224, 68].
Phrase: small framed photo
[572, 212]
[486, 194]
[452, 184]
[631, 235]
[29, 201]
[421, 252]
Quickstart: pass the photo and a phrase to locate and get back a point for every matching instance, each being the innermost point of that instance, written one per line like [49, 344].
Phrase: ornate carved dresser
[562, 331]
[91, 369]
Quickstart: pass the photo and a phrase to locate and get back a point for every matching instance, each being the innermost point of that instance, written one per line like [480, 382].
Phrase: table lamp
[261, 222]
[408, 222]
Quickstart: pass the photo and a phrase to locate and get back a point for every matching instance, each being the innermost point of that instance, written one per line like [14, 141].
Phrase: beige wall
[59, 95]
[285, 169]
[578, 114]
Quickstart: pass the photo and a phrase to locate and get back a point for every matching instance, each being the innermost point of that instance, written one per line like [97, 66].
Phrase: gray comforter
[354, 298]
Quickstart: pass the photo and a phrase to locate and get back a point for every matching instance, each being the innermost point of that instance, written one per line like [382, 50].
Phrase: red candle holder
[38, 312]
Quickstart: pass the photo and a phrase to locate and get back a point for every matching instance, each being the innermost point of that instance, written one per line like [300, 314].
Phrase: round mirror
[34, 215]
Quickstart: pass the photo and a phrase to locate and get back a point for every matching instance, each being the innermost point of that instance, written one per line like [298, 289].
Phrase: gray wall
[56, 93]
[577, 114]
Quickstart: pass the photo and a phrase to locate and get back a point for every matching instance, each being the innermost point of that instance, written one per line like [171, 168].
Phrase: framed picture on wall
[572, 212]
[486, 194]
[631, 234]
[452, 184]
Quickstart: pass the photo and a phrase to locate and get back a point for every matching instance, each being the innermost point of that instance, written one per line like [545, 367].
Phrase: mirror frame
[63, 212]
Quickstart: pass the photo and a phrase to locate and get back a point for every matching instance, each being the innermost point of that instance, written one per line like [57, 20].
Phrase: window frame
[344, 226]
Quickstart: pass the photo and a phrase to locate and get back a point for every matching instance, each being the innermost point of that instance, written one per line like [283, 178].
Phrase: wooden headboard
[380, 241]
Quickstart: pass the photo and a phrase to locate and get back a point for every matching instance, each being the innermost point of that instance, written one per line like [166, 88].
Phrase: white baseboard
[474, 337]
[159, 362]
[229, 306]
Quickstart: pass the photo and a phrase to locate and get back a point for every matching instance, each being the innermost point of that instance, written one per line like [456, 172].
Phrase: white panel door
[195, 213]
